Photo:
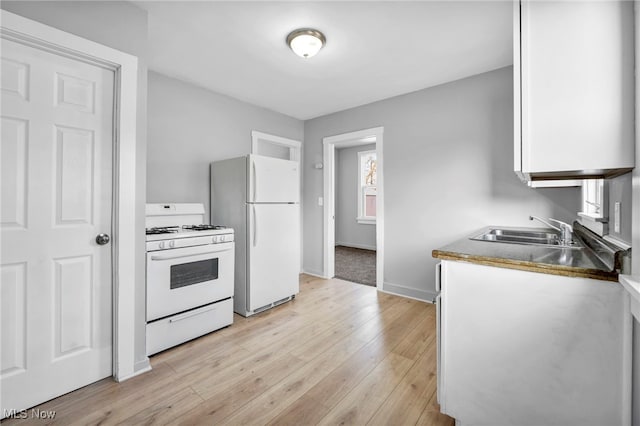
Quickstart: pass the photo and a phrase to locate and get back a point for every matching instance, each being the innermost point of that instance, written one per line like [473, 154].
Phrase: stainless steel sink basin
[527, 237]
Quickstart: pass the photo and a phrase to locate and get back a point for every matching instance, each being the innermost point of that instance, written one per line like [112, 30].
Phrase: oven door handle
[191, 314]
[178, 256]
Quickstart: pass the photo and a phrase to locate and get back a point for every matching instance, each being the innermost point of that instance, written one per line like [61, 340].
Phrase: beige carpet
[356, 265]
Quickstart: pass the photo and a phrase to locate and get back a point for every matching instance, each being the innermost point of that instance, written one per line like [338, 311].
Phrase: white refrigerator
[259, 197]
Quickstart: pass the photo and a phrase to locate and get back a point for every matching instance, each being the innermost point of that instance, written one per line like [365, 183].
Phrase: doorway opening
[355, 213]
[354, 207]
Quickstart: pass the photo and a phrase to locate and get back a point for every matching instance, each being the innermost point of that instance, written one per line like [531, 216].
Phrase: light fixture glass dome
[306, 42]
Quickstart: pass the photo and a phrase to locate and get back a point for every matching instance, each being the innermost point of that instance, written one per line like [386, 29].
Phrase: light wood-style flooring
[340, 353]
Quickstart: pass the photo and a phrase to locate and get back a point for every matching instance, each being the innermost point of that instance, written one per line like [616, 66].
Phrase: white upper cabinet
[573, 89]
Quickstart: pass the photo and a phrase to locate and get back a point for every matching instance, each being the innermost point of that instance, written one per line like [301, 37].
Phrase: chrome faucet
[566, 230]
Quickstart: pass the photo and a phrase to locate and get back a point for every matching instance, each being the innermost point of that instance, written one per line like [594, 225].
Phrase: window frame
[362, 190]
[595, 199]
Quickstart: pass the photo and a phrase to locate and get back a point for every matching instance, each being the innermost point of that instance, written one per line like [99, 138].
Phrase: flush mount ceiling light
[306, 42]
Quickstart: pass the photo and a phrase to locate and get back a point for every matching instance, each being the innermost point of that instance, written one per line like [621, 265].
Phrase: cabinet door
[533, 349]
[575, 86]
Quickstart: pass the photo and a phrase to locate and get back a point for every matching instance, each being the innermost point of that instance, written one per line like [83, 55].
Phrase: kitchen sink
[527, 237]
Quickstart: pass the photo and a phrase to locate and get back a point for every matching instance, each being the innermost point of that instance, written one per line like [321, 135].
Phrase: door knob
[102, 239]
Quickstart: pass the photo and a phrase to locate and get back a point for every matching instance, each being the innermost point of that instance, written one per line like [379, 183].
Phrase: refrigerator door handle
[255, 227]
[255, 181]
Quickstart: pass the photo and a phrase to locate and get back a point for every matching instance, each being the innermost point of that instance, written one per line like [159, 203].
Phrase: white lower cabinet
[524, 348]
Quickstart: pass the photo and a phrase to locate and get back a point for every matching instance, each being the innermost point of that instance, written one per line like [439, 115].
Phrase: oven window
[193, 273]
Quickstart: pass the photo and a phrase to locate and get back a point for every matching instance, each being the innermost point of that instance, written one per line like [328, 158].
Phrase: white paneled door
[56, 159]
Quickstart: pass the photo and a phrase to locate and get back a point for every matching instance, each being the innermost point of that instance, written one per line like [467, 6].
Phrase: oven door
[186, 278]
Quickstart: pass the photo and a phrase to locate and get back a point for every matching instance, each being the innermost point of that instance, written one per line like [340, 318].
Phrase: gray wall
[348, 231]
[189, 127]
[122, 26]
[448, 155]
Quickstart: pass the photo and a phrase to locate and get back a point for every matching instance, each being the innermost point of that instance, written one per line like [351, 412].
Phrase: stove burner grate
[202, 227]
[161, 230]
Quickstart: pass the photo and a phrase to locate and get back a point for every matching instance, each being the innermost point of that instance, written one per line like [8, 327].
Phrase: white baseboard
[411, 293]
[359, 246]
[140, 368]
[313, 273]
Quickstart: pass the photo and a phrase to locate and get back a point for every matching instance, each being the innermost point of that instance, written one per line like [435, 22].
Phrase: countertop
[570, 262]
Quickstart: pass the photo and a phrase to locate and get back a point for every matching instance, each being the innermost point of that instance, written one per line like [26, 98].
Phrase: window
[595, 206]
[367, 163]
[594, 199]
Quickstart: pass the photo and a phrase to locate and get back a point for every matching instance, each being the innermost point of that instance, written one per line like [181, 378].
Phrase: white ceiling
[374, 50]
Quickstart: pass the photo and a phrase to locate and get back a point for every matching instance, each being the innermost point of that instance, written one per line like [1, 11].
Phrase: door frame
[294, 146]
[330, 143]
[124, 233]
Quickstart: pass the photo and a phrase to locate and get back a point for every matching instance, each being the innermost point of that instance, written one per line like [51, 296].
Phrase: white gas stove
[190, 275]
[163, 238]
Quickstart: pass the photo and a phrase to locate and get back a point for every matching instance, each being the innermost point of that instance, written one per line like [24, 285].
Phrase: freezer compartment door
[274, 253]
[273, 180]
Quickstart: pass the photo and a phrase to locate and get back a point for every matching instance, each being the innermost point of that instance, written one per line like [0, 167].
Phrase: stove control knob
[222, 240]
[161, 245]
[215, 239]
[172, 244]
